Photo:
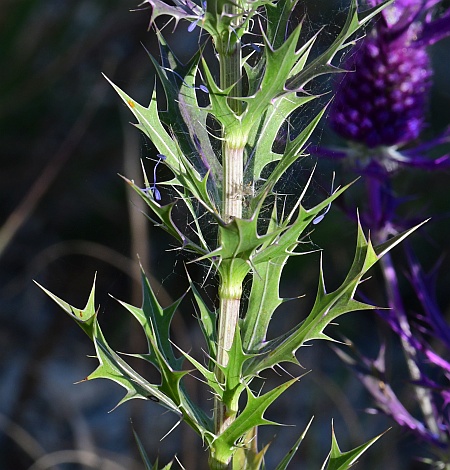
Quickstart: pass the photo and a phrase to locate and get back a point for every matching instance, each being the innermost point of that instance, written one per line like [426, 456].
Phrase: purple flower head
[380, 106]
[382, 100]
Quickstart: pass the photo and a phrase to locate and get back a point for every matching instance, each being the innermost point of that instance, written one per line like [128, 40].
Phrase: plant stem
[375, 191]
[230, 59]
[423, 395]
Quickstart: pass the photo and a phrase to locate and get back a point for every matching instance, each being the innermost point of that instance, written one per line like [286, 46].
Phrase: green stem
[230, 60]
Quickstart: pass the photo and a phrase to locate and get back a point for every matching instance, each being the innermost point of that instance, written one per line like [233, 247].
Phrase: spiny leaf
[210, 377]
[155, 321]
[322, 64]
[263, 301]
[234, 382]
[264, 296]
[252, 415]
[111, 365]
[86, 318]
[279, 63]
[247, 455]
[278, 18]
[291, 154]
[143, 454]
[150, 124]
[186, 175]
[184, 114]
[166, 222]
[172, 387]
[327, 307]
[291, 229]
[181, 9]
[289, 456]
[207, 320]
[338, 460]
[239, 241]
[263, 133]
[219, 101]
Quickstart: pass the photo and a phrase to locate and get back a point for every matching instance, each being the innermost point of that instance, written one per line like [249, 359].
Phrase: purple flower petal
[414, 159]
[371, 374]
[434, 317]
[435, 30]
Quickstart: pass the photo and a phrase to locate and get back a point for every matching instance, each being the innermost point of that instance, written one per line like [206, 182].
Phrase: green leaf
[263, 134]
[155, 321]
[327, 307]
[111, 366]
[278, 18]
[289, 456]
[171, 385]
[279, 63]
[322, 64]
[220, 109]
[186, 175]
[210, 377]
[207, 321]
[239, 241]
[247, 455]
[288, 235]
[184, 115]
[166, 222]
[143, 454]
[338, 460]
[86, 318]
[234, 382]
[225, 444]
[150, 124]
[264, 296]
[291, 154]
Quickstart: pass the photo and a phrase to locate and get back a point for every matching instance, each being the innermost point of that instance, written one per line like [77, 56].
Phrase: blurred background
[66, 214]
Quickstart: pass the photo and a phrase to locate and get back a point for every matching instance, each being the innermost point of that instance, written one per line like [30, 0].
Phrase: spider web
[315, 15]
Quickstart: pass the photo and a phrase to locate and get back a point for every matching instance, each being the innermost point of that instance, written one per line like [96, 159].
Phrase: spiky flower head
[382, 100]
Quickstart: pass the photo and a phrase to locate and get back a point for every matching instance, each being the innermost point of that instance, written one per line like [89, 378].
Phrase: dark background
[65, 214]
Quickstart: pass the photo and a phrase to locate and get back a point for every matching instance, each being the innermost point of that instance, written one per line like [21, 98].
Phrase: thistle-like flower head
[380, 103]
[382, 100]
